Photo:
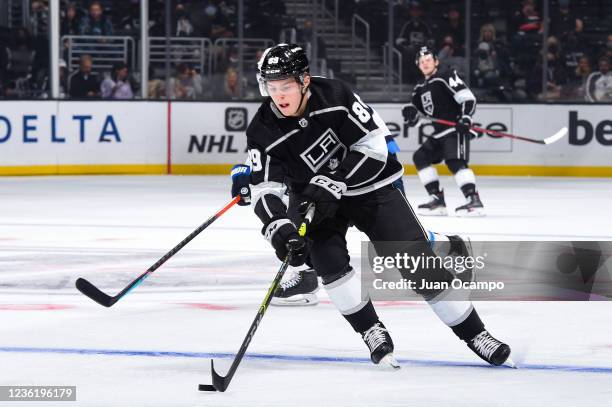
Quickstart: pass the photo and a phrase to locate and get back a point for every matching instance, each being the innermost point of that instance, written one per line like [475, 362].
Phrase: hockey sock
[345, 293]
[469, 328]
[429, 178]
[433, 188]
[466, 181]
[363, 319]
[452, 308]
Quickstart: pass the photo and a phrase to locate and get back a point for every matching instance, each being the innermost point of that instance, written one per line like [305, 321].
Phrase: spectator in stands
[575, 90]
[19, 54]
[129, 24]
[157, 89]
[572, 51]
[498, 48]
[229, 88]
[526, 39]
[39, 18]
[527, 19]
[187, 84]
[413, 34]
[556, 76]
[230, 58]
[96, 23]
[70, 20]
[449, 58]
[217, 13]
[84, 84]
[599, 83]
[486, 72]
[454, 26]
[184, 28]
[563, 23]
[157, 26]
[608, 51]
[117, 86]
[45, 85]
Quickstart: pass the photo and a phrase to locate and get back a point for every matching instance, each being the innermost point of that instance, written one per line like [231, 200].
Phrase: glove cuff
[240, 169]
[273, 226]
[335, 187]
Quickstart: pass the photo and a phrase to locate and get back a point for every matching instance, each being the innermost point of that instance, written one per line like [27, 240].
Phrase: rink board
[57, 137]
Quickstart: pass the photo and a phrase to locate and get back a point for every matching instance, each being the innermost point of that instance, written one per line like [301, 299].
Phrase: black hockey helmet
[424, 50]
[282, 61]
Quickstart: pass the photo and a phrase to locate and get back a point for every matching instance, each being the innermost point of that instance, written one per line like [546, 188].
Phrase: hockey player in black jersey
[317, 138]
[443, 96]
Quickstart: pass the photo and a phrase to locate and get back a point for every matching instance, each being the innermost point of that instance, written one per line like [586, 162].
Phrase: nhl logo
[333, 164]
[236, 119]
[303, 122]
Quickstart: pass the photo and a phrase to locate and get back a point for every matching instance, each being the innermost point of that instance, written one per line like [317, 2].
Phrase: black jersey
[337, 133]
[444, 96]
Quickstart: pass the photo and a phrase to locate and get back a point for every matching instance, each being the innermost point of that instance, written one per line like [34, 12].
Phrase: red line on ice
[212, 307]
[34, 307]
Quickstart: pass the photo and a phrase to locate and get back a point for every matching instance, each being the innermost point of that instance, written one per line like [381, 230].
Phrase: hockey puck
[206, 387]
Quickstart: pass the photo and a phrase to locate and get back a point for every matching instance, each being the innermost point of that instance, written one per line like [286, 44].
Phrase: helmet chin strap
[304, 92]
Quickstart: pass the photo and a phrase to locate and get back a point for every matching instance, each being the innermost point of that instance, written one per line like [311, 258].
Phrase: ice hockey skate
[435, 207]
[298, 290]
[472, 208]
[491, 350]
[381, 346]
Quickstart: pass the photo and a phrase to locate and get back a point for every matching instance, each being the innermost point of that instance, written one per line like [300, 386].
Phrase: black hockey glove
[284, 237]
[324, 191]
[411, 115]
[463, 126]
[241, 178]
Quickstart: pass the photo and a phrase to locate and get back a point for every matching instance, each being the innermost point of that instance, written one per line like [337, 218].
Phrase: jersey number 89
[361, 111]
[255, 158]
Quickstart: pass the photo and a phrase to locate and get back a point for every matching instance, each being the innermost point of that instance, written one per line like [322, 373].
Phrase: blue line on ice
[294, 358]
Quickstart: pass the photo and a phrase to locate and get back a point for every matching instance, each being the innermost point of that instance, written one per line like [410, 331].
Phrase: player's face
[427, 65]
[286, 94]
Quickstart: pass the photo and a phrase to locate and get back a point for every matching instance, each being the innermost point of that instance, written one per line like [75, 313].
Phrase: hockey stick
[548, 140]
[220, 383]
[101, 298]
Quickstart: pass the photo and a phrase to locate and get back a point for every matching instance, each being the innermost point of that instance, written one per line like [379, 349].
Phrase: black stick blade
[94, 293]
[219, 382]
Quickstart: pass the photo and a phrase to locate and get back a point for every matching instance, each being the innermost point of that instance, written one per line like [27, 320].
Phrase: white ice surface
[153, 347]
